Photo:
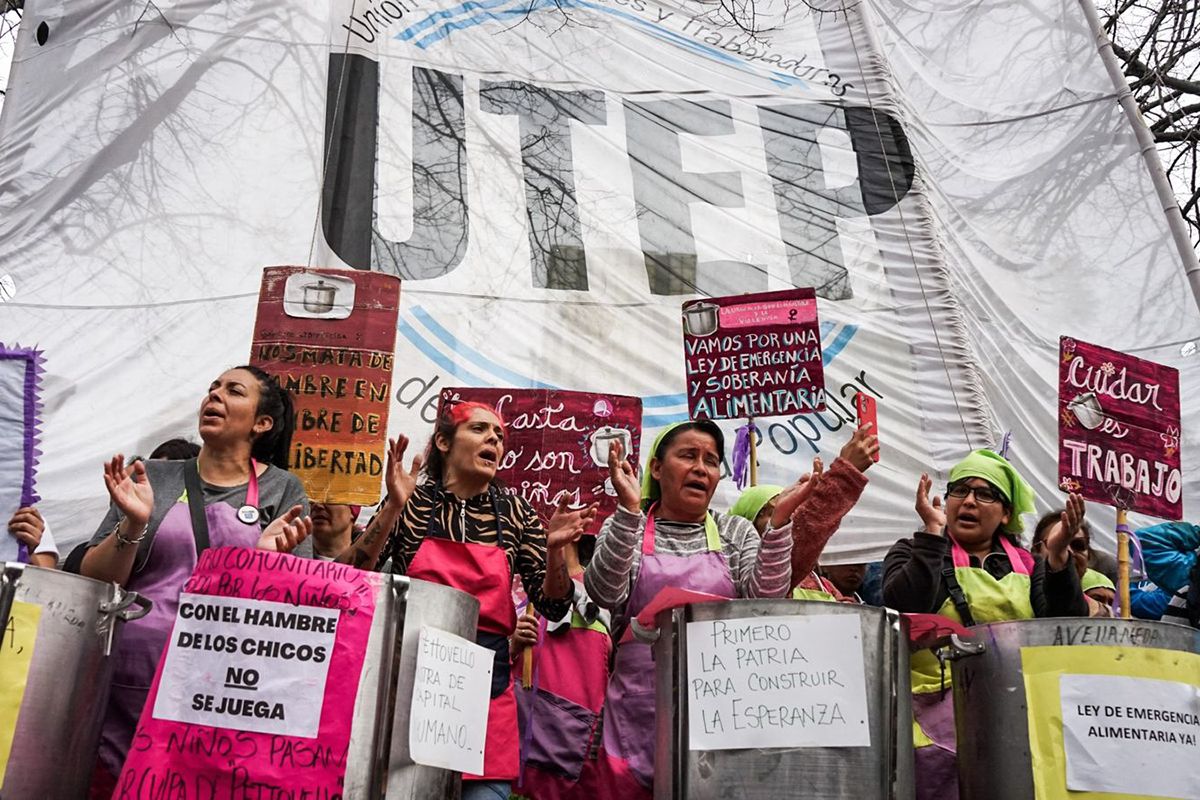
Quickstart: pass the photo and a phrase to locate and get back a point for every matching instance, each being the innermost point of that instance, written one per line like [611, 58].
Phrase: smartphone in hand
[864, 406]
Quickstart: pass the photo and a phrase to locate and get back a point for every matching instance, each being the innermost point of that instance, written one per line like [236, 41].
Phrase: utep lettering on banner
[753, 355]
[254, 696]
[1118, 429]
[790, 681]
[329, 335]
[557, 441]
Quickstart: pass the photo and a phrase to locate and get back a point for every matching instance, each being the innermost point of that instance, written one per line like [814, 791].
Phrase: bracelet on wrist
[132, 539]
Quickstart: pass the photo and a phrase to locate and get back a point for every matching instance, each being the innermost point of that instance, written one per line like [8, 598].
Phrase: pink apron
[169, 564]
[629, 724]
[482, 572]
[560, 713]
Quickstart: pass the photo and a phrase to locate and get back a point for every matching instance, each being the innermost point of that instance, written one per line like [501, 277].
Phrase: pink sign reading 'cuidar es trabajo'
[254, 695]
[746, 315]
[1119, 429]
[753, 355]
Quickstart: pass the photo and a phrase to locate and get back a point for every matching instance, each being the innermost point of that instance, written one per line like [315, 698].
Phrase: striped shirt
[1177, 610]
[760, 567]
[433, 511]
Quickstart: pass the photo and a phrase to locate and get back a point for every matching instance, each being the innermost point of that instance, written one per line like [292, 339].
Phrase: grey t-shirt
[278, 490]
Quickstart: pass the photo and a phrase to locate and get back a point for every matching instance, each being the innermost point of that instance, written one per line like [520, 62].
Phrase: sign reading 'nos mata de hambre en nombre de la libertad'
[329, 337]
[1119, 429]
[753, 355]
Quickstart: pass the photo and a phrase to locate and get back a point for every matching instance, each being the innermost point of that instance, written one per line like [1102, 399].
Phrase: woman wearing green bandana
[966, 563]
[663, 536]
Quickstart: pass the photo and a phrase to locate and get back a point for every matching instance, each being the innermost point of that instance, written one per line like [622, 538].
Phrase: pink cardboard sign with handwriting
[254, 695]
[1118, 429]
[557, 441]
[753, 355]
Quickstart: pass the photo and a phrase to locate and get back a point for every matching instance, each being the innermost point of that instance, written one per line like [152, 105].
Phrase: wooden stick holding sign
[1123, 563]
[527, 656]
[753, 453]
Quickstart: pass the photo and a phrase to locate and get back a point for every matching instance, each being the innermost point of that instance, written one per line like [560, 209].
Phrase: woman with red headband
[460, 529]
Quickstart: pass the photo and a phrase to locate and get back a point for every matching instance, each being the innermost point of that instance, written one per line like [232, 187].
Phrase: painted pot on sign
[318, 297]
[701, 319]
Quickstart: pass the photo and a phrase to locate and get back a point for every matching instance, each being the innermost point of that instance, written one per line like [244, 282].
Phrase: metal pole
[1162, 186]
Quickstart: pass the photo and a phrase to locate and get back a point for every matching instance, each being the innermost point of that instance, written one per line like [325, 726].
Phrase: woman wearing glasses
[966, 563]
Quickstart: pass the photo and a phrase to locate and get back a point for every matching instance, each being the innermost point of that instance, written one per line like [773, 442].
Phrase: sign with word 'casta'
[448, 724]
[329, 337]
[1135, 736]
[753, 355]
[776, 682]
[1119, 429]
[556, 442]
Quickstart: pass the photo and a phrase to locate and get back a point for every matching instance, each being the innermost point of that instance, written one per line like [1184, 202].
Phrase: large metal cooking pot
[379, 757]
[66, 690]
[882, 771]
[990, 704]
[319, 297]
[702, 319]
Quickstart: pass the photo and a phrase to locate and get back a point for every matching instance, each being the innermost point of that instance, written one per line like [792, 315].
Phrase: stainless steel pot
[701, 319]
[379, 758]
[991, 713]
[318, 297]
[66, 691]
[882, 771]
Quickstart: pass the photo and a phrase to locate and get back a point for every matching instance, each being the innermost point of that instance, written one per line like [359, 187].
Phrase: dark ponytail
[274, 446]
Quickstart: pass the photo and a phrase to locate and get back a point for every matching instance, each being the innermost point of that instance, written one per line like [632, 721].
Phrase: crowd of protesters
[445, 518]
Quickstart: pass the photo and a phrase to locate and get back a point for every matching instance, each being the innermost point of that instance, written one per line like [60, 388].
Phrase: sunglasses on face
[983, 494]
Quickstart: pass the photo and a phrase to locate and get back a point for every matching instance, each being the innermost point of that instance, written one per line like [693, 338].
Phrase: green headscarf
[996, 470]
[651, 491]
[751, 501]
[1096, 580]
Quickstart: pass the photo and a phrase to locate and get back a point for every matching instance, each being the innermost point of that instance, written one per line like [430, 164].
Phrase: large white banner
[552, 180]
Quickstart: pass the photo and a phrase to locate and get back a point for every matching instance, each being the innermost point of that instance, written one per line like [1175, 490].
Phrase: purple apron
[629, 727]
[170, 563]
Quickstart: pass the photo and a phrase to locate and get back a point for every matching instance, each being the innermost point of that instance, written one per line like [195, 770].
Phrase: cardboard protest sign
[17, 639]
[1119, 429]
[1112, 721]
[256, 690]
[448, 724]
[753, 355]
[20, 383]
[776, 682]
[557, 441]
[329, 336]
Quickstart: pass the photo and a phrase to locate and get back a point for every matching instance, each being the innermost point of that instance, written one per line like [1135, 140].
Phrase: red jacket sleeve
[818, 519]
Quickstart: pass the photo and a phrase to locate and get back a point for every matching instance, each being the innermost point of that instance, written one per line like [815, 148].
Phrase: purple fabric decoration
[1005, 443]
[741, 455]
[34, 362]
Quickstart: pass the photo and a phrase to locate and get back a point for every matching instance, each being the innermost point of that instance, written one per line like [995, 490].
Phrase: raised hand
[1058, 540]
[932, 515]
[284, 533]
[620, 471]
[400, 483]
[129, 490]
[795, 496]
[567, 526]
[862, 447]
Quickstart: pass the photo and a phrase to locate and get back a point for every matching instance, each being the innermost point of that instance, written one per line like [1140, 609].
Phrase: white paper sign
[777, 682]
[450, 699]
[249, 665]
[1131, 735]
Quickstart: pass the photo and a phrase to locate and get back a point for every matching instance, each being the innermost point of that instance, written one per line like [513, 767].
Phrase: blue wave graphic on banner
[493, 10]
[657, 409]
